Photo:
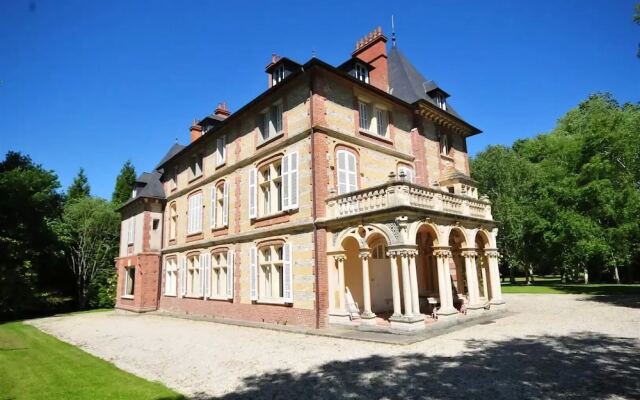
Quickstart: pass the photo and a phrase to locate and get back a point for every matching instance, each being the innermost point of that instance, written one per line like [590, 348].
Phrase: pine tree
[79, 188]
[125, 182]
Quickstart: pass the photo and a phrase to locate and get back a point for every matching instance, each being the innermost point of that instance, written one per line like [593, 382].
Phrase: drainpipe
[313, 209]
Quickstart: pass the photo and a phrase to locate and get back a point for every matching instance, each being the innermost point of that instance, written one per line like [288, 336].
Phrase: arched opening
[460, 288]
[354, 299]
[379, 275]
[482, 263]
[427, 267]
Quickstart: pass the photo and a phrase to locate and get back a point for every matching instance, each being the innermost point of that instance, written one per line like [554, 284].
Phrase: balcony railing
[397, 194]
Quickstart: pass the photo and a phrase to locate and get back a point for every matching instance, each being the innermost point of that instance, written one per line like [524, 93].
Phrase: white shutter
[225, 205]
[163, 276]
[341, 156]
[191, 215]
[253, 271]
[202, 267]
[183, 276]
[230, 270]
[364, 116]
[351, 172]
[287, 271]
[207, 277]
[382, 122]
[253, 200]
[293, 180]
[214, 193]
[198, 212]
[284, 165]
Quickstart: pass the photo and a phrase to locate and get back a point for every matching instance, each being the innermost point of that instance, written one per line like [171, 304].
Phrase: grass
[34, 365]
[553, 285]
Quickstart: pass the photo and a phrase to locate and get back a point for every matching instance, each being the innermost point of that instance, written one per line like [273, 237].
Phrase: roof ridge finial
[393, 32]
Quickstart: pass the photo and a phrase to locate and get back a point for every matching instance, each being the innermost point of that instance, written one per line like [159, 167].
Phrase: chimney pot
[222, 110]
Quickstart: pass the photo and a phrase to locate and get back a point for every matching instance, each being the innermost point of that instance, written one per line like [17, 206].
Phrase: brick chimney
[372, 49]
[196, 131]
[222, 111]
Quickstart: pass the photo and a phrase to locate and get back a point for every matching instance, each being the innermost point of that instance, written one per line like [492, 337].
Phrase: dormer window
[278, 75]
[134, 193]
[441, 101]
[362, 73]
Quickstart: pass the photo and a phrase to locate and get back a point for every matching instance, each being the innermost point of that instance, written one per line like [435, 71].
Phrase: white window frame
[129, 282]
[219, 268]
[444, 144]
[171, 277]
[346, 177]
[362, 72]
[272, 273]
[373, 119]
[219, 217]
[173, 221]
[194, 276]
[409, 173]
[131, 230]
[270, 189]
[441, 101]
[277, 75]
[221, 153]
[194, 224]
[271, 121]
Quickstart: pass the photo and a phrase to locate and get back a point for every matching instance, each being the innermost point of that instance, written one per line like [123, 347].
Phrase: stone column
[472, 278]
[413, 275]
[341, 301]
[494, 276]
[406, 283]
[443, 256]
[367, 315]
[395, 283]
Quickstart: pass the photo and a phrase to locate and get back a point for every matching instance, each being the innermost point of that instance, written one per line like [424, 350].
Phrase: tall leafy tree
[30, 259]
[89, 230]
[125, 182]
[79, 188]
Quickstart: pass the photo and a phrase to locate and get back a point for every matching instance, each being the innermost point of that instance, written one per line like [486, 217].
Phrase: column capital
[402, 252]
[364, 255]
[468, 253]
[442, 252]
[339, 257]
[491, 253]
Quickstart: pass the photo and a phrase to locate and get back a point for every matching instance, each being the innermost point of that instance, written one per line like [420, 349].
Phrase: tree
[89, 229]
[125, 183]
[31, 269]
[79, 188]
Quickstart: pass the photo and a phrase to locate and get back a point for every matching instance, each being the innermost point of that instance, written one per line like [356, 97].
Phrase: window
[270, 122]
[156, 224]
[362, 73]
[129, 281]
[221, 144]
[196, 166]
[173, 181]
[195, 214]
[131, 229]
[219, 275]
[441, 101]
[194, 277]
[274, 187]
[134, 192]
[347, 178]
[271, 273]
[277, 75]
[379, 252]
[220, 205]
[171, 277]
[408, 173]
[444, 144]
[173, 221]
[373, 119]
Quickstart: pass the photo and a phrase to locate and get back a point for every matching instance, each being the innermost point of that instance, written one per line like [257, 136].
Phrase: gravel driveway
[552, 346]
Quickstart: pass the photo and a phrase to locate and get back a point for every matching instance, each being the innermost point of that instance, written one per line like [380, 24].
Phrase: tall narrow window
[129, 281]
[270, 192]
[219, 264]
[346, 171]
[173, 180]
[271, 278]
[193, 276]
[196, 166]
[131, 230]
[270, 122]
[173, 221]
[171, 277]
[220, 205]
[382, 122]
[221, 144]
[362, 73]
[195, 214]
[277, 76]
[365, 116]
[444, 144]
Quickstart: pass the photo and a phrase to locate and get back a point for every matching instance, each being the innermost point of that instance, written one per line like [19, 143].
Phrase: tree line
[568, 201]
[57, 247]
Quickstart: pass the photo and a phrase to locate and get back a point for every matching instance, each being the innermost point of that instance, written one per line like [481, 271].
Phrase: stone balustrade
[397, 194]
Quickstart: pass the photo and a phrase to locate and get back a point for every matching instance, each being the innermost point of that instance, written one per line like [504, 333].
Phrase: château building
[339, 195]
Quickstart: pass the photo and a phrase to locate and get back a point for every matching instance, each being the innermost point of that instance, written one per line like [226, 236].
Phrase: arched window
[347, 171]
[220, 205]
[193, 276]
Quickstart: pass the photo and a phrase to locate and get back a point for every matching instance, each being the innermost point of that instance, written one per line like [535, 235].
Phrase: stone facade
[308, 249]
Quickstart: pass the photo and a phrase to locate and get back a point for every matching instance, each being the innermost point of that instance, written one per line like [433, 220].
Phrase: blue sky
[94, 83]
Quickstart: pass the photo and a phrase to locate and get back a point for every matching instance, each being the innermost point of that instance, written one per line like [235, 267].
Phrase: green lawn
[553, 285]
[34, 365]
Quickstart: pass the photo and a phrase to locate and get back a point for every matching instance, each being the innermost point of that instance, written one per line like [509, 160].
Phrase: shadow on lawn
[583, 366]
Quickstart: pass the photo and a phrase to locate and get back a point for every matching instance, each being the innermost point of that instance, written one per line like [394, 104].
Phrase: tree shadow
[582, 366]
[616, 300]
